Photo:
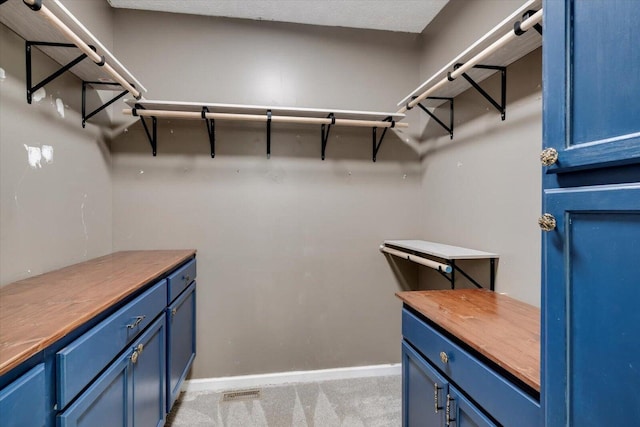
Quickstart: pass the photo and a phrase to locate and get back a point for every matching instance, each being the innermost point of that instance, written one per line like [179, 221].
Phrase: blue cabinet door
[181, 339]
[107, 402]
[463, 413]
[424, 391]
[592, 294]
[149, 377]
[22, 403]
[591, 83]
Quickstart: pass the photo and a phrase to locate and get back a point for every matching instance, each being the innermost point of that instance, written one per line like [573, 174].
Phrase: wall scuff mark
[47, 153]
[34, 156]
[60, 107]
[39, 95]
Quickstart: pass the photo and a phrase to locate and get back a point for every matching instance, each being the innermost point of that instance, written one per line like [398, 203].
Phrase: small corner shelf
[516, 36]
[48, 26]
[414, 250]
[210, 112]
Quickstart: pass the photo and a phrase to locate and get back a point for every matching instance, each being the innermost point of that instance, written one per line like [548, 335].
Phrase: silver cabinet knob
[443, 357]
[549, 156]
[134, 357]
[547, 222]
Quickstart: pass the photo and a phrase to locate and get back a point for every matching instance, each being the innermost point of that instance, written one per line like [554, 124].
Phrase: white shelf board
[440, 250]
[32, 26]
[261, 109]
[523, 45]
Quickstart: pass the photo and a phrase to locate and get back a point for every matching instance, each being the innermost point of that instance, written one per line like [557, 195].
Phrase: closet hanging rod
[495, 46]
[445, 268]
[37, 6]
[99, 44]
[261, 118]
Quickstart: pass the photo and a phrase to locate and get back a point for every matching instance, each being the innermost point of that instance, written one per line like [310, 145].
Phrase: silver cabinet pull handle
[435, 397]
[448, 410]
[136, 322]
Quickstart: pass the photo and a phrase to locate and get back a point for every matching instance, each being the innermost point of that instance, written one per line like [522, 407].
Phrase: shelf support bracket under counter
[418, 250]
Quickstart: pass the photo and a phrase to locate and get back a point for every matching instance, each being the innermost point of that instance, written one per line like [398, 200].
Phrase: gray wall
[289, 274]
[57, 213]
[482, 189]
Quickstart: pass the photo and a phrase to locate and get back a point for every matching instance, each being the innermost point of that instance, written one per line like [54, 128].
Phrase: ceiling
[408, 16]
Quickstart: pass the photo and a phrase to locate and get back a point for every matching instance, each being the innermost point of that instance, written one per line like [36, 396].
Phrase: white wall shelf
[48, 26]
[498, 48]
[416, 250]
[209, 112]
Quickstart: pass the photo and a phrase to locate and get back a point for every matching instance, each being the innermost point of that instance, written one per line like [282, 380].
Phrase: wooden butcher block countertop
[500, 328]
[38, 311]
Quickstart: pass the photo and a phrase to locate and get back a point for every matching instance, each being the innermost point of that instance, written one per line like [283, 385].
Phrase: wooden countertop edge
[12, 362]
[524, 375]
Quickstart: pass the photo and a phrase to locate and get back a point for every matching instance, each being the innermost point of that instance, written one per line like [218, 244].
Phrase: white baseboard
[280, 378]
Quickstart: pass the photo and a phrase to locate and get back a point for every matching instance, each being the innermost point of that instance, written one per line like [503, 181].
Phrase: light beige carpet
[365, 402]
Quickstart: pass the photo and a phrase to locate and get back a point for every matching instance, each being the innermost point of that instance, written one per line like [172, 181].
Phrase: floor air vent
[231, 396]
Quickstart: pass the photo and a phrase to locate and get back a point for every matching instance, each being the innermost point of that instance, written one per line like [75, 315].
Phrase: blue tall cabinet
[591, 203]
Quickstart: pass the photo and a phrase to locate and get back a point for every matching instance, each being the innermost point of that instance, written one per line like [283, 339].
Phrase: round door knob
[547, 222]
[134, 357]
[444, 357]
[549, 156]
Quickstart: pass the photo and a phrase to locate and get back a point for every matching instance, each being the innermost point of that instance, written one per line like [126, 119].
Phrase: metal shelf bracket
[268, 134]
[153, 135]
[211, 130]
[86, 116]
[325, 135]
[528, 14]
[31, 89]
[376, 143]
[451, 277]
[433, 116]
[501, 107]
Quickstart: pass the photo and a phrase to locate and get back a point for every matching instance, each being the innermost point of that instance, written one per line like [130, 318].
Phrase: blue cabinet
[424, 391]
[181, 340]
[591, 83]
[78, 363]
[106, 402]
[591, 346]
[23, 402]
[462, 413]
[114, 369]
[130, 392]
[429, 400]
[149, 377]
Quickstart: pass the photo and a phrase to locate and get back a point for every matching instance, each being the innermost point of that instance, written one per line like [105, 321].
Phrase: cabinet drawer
[505, 401]
[22, 403]
[180, 279]
[80, 362]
